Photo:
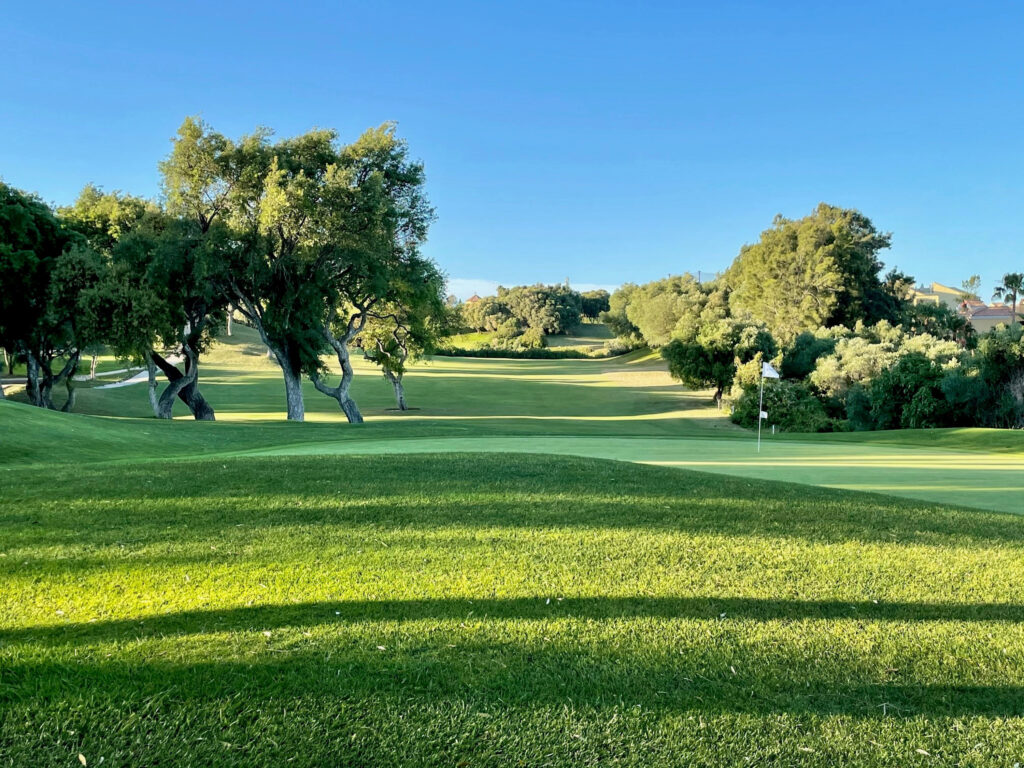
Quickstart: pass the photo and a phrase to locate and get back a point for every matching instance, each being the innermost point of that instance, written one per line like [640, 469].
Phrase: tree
[711, 359]
[971, 288]
[940, 321]
[265, 194]
[44, 269]
[821, 270]
[1008, 290]
[615, 316]
[405, 328]
[800, 358]
[163, 295]
[594, 302]
[908, 395]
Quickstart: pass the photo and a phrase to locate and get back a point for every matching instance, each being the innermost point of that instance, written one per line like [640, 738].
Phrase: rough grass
[498, 610]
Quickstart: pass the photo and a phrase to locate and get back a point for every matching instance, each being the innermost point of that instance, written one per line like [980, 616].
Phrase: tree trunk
[69, 382]
[32, 384]
[92, 369]
[293, 392]
[184, 386]
[153, 400]
[396, 382]
[45, 384]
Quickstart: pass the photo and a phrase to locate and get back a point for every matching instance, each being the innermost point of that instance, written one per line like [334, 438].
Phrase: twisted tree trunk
[183, 386]
[340, 347]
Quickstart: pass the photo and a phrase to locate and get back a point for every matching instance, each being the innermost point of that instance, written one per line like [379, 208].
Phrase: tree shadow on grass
[345, 612]
[183, 501]
[424, 670]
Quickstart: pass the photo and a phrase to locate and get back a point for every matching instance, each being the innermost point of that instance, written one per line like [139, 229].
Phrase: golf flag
[768, 372]
[764, 414]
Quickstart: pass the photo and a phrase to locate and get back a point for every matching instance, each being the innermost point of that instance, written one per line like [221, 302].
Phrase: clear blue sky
[603, 142]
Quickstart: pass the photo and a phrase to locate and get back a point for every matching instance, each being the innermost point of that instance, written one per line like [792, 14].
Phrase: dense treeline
[519, 318]
[853, 350]
[315, 243]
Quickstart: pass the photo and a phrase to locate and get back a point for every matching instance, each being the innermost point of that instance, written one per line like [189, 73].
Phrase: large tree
[820, 270]
[163, 299]
[712, 357]
[45, 268]
[380, 217]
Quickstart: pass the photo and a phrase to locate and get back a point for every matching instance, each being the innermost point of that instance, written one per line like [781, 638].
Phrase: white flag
[764, 414]
[768, 372]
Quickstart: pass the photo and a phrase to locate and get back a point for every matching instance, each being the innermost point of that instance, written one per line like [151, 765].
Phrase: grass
[479, 583]
[496, 610]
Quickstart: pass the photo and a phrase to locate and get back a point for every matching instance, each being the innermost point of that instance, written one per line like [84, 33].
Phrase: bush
[896, 395]
[789, 404]
[532, 338]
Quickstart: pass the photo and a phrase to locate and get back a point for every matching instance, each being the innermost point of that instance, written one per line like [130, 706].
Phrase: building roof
[472, 298]
[996, 310]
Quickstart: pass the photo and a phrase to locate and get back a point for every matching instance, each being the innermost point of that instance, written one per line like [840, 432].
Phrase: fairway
[625, 408]
[524, 571]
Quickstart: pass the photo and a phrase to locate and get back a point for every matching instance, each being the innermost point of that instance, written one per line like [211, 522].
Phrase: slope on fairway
[496, 609]
[926, 469]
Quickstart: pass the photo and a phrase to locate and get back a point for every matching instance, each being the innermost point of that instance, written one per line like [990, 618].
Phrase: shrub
[789, 404]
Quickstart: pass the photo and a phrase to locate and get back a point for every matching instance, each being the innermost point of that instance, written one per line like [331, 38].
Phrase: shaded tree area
[45, 269]
[306, 238]
[545, 309]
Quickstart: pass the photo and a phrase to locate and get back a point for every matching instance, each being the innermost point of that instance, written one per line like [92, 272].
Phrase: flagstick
[760, 410]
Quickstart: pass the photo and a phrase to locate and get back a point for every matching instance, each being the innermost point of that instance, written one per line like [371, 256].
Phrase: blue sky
[603, 142]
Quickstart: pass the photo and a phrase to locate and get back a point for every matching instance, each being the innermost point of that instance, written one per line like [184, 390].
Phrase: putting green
[982, 480]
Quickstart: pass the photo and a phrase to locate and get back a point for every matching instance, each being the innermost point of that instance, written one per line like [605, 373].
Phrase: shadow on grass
[271, 617]
[183, 502]
[425, 671]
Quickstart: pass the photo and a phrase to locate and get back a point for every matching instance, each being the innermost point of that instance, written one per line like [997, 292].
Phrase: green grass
[525, 571]
[583, 336]
[496, 610]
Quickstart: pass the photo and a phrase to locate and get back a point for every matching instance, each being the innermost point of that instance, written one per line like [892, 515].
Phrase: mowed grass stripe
[493, 609]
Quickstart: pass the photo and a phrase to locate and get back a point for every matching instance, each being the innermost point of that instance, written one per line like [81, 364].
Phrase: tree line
[520, 317]
[854, 350]
[315, 243]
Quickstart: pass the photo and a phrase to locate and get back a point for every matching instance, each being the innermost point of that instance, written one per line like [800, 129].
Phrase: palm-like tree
[1011, 287]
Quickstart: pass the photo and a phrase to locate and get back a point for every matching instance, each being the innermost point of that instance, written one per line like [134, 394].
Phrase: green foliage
[615, 316]
[104, 218]
[790, 405]
[712, 358]
[819, 270]
[908, 394]
[593, 303]
[971, 288]
[533, 338]
[801, 356]
[940, 321]
[1000, 364]
[553, 309]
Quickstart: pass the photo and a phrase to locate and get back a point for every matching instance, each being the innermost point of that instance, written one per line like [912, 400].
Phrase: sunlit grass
[494, 610]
